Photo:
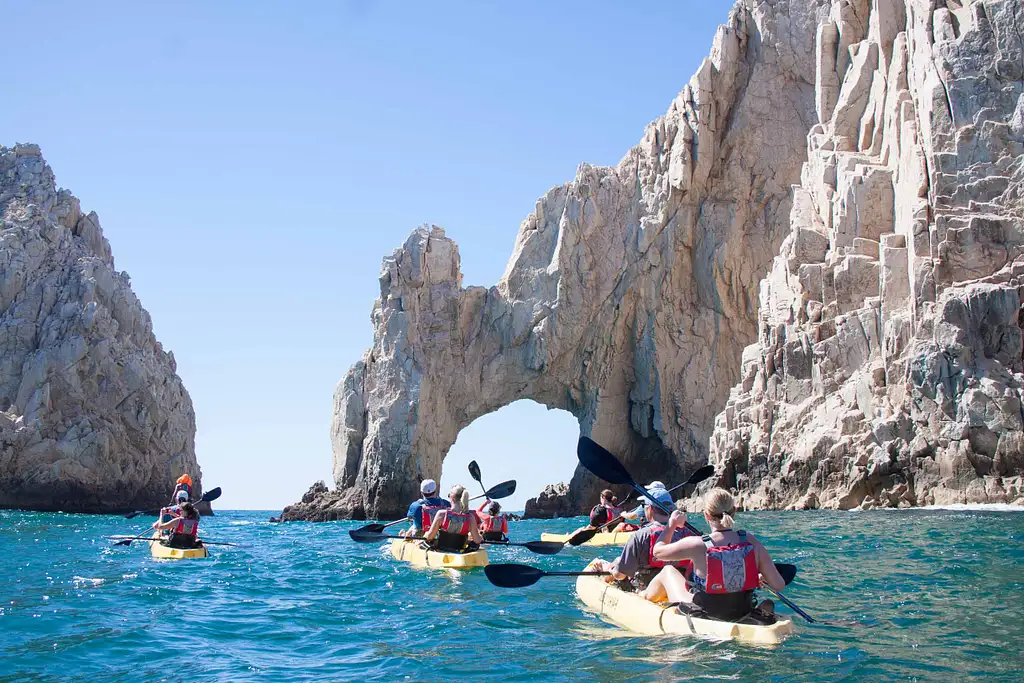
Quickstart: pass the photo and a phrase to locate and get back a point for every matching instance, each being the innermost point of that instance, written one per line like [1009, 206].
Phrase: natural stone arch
[628, 298]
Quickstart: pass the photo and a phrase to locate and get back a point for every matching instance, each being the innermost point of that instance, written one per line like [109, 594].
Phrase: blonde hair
[720, 506]
[460, 498]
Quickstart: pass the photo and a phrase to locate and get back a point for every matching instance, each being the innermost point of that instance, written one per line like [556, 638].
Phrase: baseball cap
[428, 486]
[181, 495]
[659, 494]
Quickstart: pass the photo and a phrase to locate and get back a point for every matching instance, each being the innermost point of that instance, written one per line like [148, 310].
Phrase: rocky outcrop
[318, 504]
[93, 417]
[628, 297]
[552, 502]
[888, 366]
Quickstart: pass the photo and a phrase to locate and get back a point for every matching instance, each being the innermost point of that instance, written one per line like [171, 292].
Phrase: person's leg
[669, 585]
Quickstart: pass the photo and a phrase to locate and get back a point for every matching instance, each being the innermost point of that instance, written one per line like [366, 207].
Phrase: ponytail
[720, 507]
[460, 498]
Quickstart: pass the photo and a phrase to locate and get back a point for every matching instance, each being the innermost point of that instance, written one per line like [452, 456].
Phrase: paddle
[128, 541]
[539, 547]
[584, 535]
[377, 528]
[522, 575]
[603, 464]
[502, 490]
[208, 497]
[474, 471]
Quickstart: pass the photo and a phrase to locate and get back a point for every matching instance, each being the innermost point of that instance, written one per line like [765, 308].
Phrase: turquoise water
[930, 595]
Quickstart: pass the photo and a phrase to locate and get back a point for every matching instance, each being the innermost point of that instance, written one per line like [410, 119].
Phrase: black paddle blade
[700, 475]
[601, 463]
[512, 575]
[362, 536]
[581, 537]
[544, 547]
[787, 571]
[474, 470]
[370, 529]
[211, 495]
[127, 541]
[502, 490]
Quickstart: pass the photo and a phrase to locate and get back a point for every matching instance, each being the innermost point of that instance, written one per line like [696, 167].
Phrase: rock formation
[552, 502]
[888, 366]
[93, 417]
[881, 361]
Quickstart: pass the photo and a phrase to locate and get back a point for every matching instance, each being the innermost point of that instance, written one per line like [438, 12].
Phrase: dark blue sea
[919, 595]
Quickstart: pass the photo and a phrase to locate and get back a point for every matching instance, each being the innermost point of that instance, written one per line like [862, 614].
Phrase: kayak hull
[411, 552]
[633, 612]
[163, 552]
[598, 539]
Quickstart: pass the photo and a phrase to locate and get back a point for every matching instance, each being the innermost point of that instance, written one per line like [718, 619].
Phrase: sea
[898, 595]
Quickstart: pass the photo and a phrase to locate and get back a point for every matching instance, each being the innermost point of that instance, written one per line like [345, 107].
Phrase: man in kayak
[728, 564]
[180, 498]
[423, 510]
[183, 527]
[454, 527]
[637, 563]
[184, 483]
[493, 524]
[635, 518]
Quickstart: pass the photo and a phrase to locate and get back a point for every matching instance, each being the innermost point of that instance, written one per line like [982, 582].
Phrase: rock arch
[629, 296]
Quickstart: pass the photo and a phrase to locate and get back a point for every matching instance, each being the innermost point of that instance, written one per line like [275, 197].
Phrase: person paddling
[634, 519]
[180, 497]
[183, 528]
[493, 524]
[422, 510]
[184, 483]
[637, 563]
[728, 564]
[453, 528]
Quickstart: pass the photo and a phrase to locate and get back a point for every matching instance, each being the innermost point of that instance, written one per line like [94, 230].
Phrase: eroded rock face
[888, 369]
[553, 501]
[629, 295]
[93, 417]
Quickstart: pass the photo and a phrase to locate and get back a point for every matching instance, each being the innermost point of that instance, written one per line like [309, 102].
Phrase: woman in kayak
[728, 564]
[453, 528]
[493, 524]
[183, 529]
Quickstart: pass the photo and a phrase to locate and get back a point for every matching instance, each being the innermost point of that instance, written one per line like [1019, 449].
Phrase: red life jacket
[187, 527]
[731, 568]
[456, 523]
[495, 523]
[427, 514]
[684, 566]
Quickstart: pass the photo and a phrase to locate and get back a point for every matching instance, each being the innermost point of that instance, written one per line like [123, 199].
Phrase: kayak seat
[449, 543]
[495, 536]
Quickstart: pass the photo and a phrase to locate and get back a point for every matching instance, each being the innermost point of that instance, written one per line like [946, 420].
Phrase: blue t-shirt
[417, 515]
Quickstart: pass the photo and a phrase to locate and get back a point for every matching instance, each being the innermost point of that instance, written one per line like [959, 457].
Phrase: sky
[252, 163]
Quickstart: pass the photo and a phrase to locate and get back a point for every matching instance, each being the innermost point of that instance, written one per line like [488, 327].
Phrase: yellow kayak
[598, 539]
[162, 551]
[410, 551]
[633, 612]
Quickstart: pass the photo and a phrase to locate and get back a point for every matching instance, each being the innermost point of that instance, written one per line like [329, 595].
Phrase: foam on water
[926, 595]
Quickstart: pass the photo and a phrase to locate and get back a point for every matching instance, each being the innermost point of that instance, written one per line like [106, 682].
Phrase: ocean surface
[920, 595]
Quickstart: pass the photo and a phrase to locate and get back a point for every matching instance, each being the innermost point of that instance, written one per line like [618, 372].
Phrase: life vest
[495, 523]
[427, 513]
[457, 523]
[613, 512]
[186, 527]
[731, 568]
[685, 566]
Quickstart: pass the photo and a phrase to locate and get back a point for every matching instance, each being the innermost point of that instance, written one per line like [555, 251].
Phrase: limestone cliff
[888, 366]
[629, 295]
[93, 417]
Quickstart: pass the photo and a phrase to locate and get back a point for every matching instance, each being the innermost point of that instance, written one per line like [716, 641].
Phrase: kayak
[161, 551]
[633, 612]
[410, 551]
[608, 538]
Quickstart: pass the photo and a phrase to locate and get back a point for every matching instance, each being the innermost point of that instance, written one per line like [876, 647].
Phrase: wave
[975, 507]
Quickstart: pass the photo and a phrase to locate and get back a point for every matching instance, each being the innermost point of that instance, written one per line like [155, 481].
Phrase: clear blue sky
[252, 162]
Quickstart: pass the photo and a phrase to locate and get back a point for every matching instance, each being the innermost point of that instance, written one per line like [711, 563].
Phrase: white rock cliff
[866, 156]
[93, 417]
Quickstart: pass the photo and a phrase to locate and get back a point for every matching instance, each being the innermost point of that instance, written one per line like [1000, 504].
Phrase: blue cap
[660, 495]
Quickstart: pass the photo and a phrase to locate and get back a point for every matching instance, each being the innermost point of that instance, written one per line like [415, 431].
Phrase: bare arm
[435, 525]
[163, 526]
[474, 531]
[666, 550]
[769, 574]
